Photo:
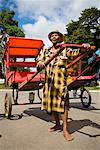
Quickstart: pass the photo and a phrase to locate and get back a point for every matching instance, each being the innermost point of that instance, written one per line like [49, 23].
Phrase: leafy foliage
[86, 29]
[7, 22]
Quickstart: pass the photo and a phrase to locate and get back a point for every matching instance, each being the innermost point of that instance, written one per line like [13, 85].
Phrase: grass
[2, 86]
[93, 88]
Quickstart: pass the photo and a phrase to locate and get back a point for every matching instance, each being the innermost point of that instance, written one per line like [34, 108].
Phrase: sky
[37, 18]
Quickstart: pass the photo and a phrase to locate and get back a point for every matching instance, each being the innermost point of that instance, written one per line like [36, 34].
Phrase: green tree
[86, 29]
[7, 22]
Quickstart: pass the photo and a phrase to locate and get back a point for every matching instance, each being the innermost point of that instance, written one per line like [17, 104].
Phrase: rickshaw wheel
[8, 105]
[85, 98]
[38, 93]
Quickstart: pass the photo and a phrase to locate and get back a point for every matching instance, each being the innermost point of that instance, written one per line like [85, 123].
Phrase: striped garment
[55, 90]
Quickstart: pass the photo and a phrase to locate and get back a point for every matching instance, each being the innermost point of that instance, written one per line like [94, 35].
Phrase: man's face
[55, 38]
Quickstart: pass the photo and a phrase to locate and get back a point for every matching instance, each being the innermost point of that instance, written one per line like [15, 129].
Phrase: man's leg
[55, 116]
[66, 133]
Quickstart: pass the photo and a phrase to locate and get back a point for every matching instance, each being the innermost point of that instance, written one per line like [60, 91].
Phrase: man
[55, 96]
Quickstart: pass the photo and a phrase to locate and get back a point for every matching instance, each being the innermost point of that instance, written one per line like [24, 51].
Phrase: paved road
[28, 129]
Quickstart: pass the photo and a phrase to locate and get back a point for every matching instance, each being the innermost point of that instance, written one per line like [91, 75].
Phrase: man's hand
[40, 66]
[86, 45]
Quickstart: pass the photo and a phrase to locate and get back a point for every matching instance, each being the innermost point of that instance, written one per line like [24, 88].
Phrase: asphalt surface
[28, 127]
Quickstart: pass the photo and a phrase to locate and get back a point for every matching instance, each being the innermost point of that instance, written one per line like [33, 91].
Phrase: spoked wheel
[40, 97]
[85, 98]
[8, 105]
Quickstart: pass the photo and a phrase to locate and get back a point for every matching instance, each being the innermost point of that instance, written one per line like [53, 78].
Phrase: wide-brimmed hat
[60, 34]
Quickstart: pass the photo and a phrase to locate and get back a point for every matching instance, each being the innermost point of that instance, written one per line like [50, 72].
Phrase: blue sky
[38, 17]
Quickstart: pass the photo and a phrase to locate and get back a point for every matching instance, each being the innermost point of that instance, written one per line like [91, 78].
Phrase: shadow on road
[2, 116]
[74, 125]
[78, 105]
[0, 135]
[37, 112]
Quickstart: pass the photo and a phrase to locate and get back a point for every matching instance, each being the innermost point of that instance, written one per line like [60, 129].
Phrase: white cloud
[42, 27]
[50, 15]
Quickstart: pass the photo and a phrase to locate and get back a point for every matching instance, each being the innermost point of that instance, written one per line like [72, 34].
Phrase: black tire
[8, 105]
[85, 98]
[39, 95]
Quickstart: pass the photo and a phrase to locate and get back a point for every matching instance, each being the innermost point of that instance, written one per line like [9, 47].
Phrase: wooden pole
[59, 50]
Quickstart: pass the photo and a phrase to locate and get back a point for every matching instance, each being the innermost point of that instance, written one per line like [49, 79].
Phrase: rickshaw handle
[59, 50]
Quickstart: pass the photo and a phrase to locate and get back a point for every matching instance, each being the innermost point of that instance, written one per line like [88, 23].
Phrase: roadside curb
[94, 91]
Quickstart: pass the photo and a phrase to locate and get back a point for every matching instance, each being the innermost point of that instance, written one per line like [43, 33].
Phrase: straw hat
[59, 33]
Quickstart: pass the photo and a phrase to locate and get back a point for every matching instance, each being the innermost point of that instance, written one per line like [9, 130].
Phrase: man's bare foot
[67, 136]
[55, 128]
